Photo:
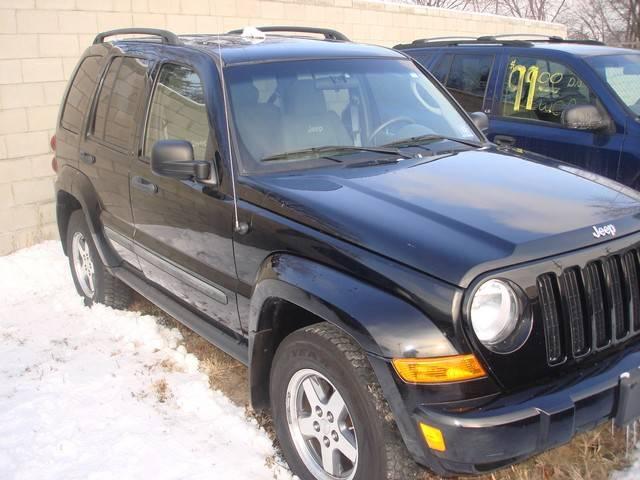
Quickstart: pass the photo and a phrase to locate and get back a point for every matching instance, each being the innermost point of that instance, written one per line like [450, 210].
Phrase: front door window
[539, 89]
[178, 110]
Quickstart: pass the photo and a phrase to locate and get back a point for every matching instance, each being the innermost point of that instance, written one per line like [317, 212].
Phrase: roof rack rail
[541, 38]
[513, 39]
[527, 36]
[441, 39]
[168, 37]
[327, 32]
[453, 41]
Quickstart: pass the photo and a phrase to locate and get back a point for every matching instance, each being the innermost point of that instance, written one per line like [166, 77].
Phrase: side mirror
[584, 117]
[480, 120]
[174, 158]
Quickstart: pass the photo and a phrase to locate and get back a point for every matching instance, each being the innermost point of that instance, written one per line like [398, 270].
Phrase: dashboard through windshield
[286, 112]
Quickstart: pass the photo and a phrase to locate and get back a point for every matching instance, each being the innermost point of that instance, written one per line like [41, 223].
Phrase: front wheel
[330, 416]
[91, 279]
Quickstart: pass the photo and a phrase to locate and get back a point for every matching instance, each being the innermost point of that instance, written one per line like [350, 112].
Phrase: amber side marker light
[439, 369]
[433, 437]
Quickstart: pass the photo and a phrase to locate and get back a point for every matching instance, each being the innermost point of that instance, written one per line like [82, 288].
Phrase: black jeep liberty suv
[401, 290]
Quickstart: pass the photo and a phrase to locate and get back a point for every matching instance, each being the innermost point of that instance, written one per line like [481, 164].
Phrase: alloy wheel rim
[83, 264]
[321, 426]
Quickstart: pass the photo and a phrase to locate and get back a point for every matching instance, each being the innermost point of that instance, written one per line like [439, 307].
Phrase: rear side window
[115, 115]
[539, 89]
[441, 70]
[468, 78]
[424, 59]
[178, 110]
[79, 96]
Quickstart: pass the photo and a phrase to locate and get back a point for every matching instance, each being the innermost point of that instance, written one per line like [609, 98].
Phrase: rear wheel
[330, 415]
[91, 279]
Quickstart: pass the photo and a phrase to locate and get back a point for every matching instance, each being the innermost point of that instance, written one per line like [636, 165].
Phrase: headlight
[497, 317]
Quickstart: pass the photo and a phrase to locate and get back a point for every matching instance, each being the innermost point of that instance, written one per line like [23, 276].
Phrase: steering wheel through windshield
[387, 124]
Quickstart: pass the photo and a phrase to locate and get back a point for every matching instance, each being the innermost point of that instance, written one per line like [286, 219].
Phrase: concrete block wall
[41, 40]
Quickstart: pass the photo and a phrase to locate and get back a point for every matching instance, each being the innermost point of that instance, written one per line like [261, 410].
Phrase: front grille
[586, 310]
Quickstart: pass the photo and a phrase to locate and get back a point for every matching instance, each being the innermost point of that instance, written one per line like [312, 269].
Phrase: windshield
[286, 112]
[622, 73]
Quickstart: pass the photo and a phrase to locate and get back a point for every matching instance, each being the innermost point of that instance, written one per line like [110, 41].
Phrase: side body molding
[382, 324]
[76, 183]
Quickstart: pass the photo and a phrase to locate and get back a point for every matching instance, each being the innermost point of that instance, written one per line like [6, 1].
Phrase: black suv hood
[460, 215]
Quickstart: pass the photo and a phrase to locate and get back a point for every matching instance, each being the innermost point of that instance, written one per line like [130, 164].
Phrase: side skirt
[231, 345]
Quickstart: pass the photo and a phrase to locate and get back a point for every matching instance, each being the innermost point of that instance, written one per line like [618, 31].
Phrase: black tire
[326, 349]
[107, 289]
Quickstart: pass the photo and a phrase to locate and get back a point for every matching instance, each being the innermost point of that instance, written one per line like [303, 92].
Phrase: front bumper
[505, 429]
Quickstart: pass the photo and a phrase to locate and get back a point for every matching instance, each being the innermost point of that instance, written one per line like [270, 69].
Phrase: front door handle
[505, 140]
[87, 158]
[143, 184]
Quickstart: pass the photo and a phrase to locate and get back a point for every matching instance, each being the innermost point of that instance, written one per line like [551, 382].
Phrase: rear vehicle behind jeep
[400, 289]
[574, 100]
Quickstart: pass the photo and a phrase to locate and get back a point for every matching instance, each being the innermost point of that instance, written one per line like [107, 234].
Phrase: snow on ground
[97, 394]
[633, 472]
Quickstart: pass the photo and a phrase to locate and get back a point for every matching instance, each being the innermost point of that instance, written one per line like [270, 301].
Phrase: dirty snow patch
[631, 473]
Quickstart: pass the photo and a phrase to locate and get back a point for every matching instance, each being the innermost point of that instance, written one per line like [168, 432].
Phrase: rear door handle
[504, 140]
[87, 158]
[143, 184]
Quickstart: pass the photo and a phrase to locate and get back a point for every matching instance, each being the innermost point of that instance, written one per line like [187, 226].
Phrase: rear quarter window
[114, 122]
[466, 78]
[80, 92]
[441, 69]
[424, 59]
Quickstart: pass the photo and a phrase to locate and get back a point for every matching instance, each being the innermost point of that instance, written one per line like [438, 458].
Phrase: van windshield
[287, 113]
[622, 73]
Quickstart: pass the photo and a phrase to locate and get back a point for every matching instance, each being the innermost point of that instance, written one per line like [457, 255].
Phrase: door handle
[504, 140]
[87, 158]
[143, 184]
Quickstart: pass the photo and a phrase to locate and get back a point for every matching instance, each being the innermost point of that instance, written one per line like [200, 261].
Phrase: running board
[229, 344]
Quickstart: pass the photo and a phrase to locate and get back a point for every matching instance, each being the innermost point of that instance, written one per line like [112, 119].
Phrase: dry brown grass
[590, 456]
[225, 373]
[161, 389]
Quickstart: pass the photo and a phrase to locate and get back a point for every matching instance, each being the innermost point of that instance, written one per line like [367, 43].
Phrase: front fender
[382, 324]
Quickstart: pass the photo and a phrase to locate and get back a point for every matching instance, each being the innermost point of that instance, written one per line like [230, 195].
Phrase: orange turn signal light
[455, 368]
[433, 437]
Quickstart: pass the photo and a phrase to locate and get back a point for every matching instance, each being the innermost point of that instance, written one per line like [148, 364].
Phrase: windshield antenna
[238, 227]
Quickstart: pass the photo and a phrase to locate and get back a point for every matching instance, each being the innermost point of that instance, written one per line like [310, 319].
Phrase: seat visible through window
[307, 122]
[259, 124]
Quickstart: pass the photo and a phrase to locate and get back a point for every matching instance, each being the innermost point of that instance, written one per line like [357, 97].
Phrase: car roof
[567, 47]
[237, 49]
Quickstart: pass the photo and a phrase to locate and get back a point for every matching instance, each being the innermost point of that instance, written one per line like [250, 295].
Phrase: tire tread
[116, 293]
[400, 466]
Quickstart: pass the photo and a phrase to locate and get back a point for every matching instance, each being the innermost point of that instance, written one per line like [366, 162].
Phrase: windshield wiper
[372, 163]
[323, 151]
[417, 141]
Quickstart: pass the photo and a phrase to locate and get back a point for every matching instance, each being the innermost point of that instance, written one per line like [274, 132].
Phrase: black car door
[184, 228]
[107, 149]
